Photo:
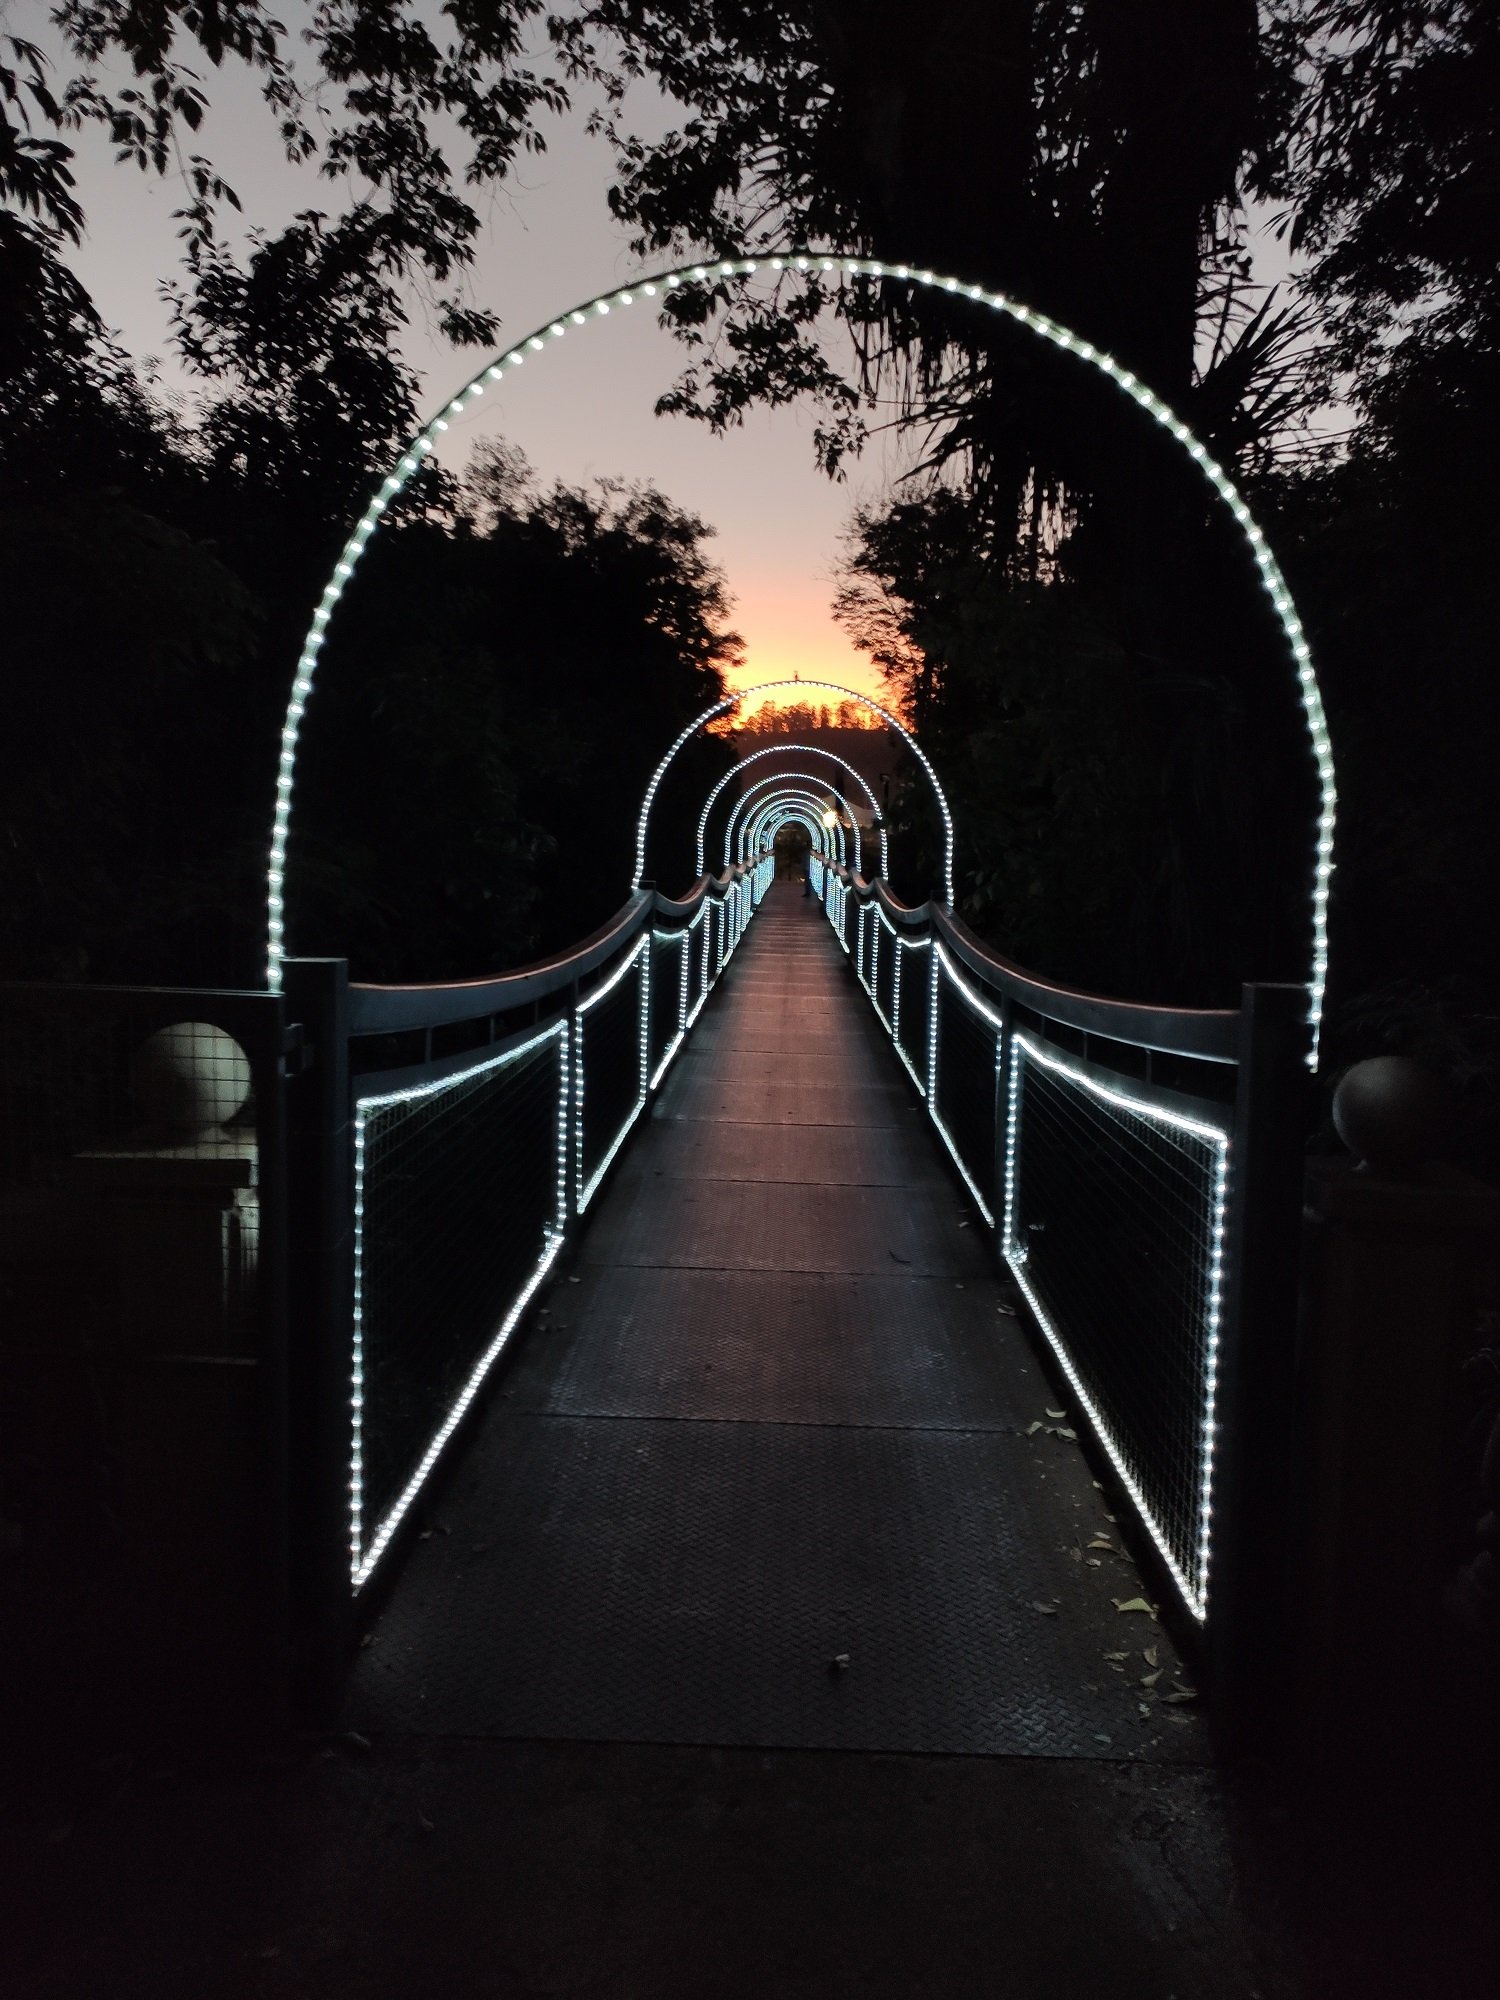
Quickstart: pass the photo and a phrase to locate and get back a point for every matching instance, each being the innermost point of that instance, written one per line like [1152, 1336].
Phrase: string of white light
[785, 749]
[663, 283]
[846, 827]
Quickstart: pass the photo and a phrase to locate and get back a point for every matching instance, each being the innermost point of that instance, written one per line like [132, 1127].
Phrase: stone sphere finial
[189, 1079]
[1393, 1113]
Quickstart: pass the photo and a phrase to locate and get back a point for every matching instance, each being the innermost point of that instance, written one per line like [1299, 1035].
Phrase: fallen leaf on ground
[1132, 1604]
[1149, 1656]
[1032, 1429]
[1116, 1656]
[1102, 1542]
[1150, 1680]
[1047, 1610]
[1057, 1413]
[1009, 1311]
[1063, 1432]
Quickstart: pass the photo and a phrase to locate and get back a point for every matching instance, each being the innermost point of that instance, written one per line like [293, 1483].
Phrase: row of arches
[661, 284]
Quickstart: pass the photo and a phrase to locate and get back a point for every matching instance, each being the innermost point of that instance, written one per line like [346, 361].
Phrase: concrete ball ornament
[189, 1078]
[1393, 1113]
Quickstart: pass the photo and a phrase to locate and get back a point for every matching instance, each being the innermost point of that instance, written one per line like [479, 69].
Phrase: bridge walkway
[775, 1465]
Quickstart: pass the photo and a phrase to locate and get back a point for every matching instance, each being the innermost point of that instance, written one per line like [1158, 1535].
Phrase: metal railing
[1137, 1167]
[445, 1139]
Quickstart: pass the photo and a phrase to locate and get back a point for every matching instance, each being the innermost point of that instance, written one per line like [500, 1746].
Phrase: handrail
[379, 1009]
[1211, 1034]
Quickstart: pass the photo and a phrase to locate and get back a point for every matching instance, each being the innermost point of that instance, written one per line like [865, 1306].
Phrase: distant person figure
[806, 883]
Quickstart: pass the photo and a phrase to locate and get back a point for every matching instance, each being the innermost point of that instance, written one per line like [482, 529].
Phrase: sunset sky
[585, 411]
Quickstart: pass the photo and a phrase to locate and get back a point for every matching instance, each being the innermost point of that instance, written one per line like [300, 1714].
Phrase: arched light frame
[829, 831]
[780, 816]
[784, 817]
[661, 283]
[780, 813]
[810, 785]
[785, 749]
[824, 687]
[843, 819]
[808, 809]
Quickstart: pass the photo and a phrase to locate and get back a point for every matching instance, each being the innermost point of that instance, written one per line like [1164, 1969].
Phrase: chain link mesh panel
[1114, 1227]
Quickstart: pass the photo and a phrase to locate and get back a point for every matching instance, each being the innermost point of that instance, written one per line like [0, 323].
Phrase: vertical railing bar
[321, 1315]
[1251, 1547]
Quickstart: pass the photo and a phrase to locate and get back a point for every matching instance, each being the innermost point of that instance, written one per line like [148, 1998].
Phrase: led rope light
[779, 814]
[587, 1190]
[1048, 329]
[798, 779]
[1194, 1589]
[806, 807]
[788, 808]
[362, 1559]
[941, 963]
[903, 945]
[826, 835]
[700, 919]
[782, 750]
[681, 938]
[827, 687]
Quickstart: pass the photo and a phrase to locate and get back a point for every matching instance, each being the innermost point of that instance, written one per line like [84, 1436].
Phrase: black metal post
[321, 1312]
[1248, 1597]
[277, 1055]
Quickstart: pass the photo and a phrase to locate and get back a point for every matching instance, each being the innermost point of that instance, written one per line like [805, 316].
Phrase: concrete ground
[461, 1868]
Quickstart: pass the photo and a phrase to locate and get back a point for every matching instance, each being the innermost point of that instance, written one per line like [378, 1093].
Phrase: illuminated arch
[810, 811]
[781, 749]
[794, 805]
[805, 801]
[826, 687]
[809, 784]
[778, 817]
[655, 285]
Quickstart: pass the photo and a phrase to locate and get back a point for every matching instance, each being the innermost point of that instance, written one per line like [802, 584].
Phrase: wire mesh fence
[1114, 1225]
[1110, 1179]
[610, 1071]
[964, 1071]
[887, 945]
[913, 1003]
[460, 1199]
[669, 969]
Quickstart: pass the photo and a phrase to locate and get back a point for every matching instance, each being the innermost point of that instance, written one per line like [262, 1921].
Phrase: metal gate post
[320, 1316]
[1252, 1525]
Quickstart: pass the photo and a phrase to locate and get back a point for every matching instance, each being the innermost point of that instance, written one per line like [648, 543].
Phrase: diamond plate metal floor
[768, 1468]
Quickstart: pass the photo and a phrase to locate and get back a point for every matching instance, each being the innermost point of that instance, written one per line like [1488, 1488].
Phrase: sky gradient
[585, 411]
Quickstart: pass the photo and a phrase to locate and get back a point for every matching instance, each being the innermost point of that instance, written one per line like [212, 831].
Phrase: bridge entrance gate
[1133, 1171]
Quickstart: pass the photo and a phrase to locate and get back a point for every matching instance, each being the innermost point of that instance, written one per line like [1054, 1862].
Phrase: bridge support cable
[1106, 1148]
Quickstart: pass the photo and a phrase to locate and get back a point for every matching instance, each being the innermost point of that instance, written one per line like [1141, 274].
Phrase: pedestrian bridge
[780, 1321]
